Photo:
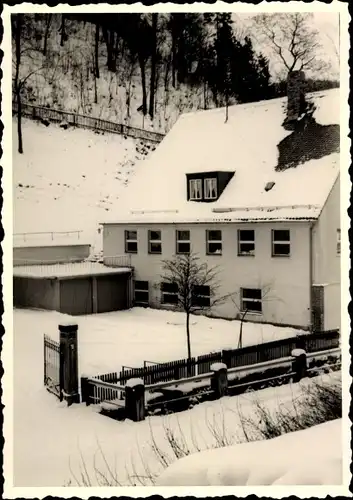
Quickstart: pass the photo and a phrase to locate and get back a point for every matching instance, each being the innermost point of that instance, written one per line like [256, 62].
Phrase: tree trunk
[143, 82]
[153, 64]
[109, 38]
[46, 35]
[96, 64]
[188, 342]
[17, 82]
[95, 89]
[240, 341]
[19, 122]
[62, 29]
[174, 62]
[166, 76]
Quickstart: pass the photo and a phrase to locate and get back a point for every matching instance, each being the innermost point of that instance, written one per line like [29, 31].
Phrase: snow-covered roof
[68, 270]
[246, 144]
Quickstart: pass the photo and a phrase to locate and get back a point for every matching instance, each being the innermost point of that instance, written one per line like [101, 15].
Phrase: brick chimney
[296, 96]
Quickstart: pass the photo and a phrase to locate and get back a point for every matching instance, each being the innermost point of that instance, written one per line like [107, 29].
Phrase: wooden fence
[173, 370]
[233, 358]
[84, 121]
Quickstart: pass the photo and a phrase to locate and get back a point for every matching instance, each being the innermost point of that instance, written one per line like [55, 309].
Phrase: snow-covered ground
[108, 341]
[70, 179]
[50, 439]
[296, 458]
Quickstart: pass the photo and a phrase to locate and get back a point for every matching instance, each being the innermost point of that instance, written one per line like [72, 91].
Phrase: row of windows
[214, 244]
[250, 298]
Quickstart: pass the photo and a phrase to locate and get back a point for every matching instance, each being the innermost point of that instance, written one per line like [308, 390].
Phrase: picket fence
[84, 121]
[250, 355]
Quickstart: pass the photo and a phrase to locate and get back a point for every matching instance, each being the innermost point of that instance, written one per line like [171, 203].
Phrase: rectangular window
[214, 242]
[251, 300]
[169, 293]
[280, 243]
[210, 189]
[130, 241]
[201, 296]
[154, 242]
[246, 242]
[183, 242]
[195, 188]
[338, 242]
[141, 293]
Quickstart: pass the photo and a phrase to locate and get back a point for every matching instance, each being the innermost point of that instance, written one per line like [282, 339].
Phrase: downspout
[311, 273]
[130, 290]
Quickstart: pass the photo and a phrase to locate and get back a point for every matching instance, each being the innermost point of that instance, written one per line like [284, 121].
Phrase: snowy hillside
[64, 80]
[70, 179]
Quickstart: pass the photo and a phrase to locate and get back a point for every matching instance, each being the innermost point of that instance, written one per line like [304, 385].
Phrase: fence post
[219, 379]
[69, 362]
[226, 357]
[299, 364]
[84, 391]
[135, 399]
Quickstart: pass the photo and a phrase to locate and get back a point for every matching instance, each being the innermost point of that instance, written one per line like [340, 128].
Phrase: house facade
[245, 198]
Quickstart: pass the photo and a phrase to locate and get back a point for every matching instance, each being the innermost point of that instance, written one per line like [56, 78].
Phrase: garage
[74, 289]
[76, 296]
[111, 293]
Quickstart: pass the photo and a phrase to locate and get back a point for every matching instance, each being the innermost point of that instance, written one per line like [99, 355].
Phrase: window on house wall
[195, 189]
[169, 293]
[201, 296]
[251, 300]
[141, 296]
[214, 242]
[246, 242]
[338, 249]
[210, 189]
[131, 241]
[154, 241]
[280, 243]
[183, 242]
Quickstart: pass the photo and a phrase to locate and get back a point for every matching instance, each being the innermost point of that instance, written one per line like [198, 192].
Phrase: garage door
[112, 293]
[76, 296]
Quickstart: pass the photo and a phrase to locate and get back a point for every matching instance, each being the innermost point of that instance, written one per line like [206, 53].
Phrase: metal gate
[53, 367]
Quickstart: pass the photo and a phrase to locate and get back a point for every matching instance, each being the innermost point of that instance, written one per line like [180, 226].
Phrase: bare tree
[243, 311]
[193, 285]
[292, 38]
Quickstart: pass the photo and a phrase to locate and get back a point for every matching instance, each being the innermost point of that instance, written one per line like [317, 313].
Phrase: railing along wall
[84, 121]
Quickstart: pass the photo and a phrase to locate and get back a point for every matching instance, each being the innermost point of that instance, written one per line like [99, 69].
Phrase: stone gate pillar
[69, 362]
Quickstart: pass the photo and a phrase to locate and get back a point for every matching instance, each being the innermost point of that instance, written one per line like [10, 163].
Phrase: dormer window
[195, 186]
[210, 188]
[206, 186]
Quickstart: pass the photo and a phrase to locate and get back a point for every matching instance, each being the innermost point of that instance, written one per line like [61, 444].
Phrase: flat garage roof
[68, 270]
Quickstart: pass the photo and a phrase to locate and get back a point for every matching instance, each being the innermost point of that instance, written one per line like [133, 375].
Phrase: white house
[258, 195]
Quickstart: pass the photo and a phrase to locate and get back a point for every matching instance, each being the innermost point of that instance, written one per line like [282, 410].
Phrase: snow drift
[297, 458]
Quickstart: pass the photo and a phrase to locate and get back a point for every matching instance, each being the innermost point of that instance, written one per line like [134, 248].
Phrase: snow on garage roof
[67, 270]
[246, 144]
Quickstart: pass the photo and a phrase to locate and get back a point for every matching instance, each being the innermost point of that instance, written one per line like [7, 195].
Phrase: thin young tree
[195, 287]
